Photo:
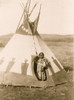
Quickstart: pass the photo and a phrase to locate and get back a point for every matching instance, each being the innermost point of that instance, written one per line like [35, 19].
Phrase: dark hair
[41, 53]
[36, 59]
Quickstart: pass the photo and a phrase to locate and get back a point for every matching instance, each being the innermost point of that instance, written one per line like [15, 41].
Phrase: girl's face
[41, 56]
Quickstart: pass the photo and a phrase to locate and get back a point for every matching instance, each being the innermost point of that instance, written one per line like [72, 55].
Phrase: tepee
[16, 59]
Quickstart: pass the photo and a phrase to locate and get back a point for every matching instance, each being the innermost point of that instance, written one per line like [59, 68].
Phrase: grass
[4, 39]
[64, 53]
[62, 47]
[60, 92]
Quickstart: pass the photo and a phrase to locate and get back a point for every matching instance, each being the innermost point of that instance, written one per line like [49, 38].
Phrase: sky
[56, 16]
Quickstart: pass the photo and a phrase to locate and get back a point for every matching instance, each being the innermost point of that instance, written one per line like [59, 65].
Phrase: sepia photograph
[36, 50]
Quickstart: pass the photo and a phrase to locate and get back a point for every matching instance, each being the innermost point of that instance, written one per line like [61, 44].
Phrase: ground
[59, 92]
[62, 47]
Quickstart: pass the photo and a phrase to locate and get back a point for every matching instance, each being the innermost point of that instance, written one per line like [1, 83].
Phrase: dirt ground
[60, 92]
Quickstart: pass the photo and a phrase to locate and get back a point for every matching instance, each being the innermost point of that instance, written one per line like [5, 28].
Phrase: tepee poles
[35, 23]
[26, 15]
[19, 21]
[26, 10]
[28, 6]
[33, 9]
[37, 20]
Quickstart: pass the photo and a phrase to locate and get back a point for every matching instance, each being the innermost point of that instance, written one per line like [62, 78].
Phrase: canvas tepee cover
[16, 59]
